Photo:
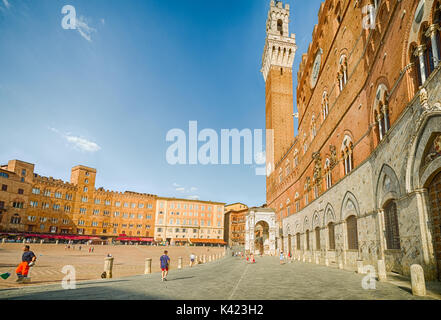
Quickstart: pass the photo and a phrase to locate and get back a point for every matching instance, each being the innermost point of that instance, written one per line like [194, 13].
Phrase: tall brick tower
[278, 57]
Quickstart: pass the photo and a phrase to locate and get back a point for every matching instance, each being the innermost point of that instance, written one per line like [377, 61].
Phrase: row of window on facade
[185, 230]
[58, 195]
[190, 207]
[391, 232]
[107, 224]
[189, 222]
[5, 188]
[190, 214]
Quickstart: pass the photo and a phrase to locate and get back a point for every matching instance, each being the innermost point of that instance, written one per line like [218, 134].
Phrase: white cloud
[84, 29]
[83, 144]
[180, 189]
[78, 143]
[193, 189]
[7, 4]
[103, 22]
[176, 185]
[193, 197]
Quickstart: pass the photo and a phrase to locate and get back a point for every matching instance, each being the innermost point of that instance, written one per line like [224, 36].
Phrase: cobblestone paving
[227, 279]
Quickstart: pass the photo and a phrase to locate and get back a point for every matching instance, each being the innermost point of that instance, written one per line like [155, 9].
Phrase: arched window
[287, 168]
[391, 225]
[347, 155]
[351, 224]
[317, 238]
[342, 75]
[417, 74]
[328, 174]
[325, 105]
[313, 128]
[381, 111]
[331, 232]
[307, 240]
[298, 241]
[280, 26]
[428, 51]
[338, 13]
[434, 34]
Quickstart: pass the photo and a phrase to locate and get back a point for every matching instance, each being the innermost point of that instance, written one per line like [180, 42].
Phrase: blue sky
[105, 95]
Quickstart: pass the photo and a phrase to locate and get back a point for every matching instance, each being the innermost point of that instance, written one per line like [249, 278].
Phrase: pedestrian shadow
[182, 278]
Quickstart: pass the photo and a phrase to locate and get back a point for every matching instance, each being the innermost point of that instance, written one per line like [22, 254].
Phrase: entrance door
[289, 244]
[435, 204]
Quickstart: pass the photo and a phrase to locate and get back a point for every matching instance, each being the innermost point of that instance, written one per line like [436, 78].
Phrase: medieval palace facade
[362, 178]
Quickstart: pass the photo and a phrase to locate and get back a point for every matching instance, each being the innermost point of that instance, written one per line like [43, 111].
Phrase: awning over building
[208, 241]
[134, 239]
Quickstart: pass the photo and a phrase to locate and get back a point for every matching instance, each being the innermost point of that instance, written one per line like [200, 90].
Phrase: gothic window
[437, 22]
[342, 73]
[428, 51]
[391, 226]
[347, 155]
[338, 13]
[416, 67]
[317, 238]
[328, 174]
[331, 232]
[298, 241]
[316, 192]
[313, 128]
[351, 224]
[381, 112]
[287, 168]
[325, 105]
[307, 240]
[280, 26]
[280, 175]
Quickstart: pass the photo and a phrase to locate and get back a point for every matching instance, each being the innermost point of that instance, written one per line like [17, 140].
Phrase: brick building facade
[234, 232]
[360, 180]
[189, 221]
[34, 205]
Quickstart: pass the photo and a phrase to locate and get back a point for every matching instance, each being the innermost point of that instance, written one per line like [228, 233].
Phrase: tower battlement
[280, 46]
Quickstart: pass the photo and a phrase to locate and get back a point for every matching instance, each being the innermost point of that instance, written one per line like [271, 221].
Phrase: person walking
[192, 258]
[28, 260]
[282, 257]
[165, 263]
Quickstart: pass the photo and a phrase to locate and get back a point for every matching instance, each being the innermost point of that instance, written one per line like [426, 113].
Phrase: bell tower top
[278, 19]
[280, 47]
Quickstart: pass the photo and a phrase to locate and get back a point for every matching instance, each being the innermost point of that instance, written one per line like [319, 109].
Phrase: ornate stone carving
[317, 166]
[333, 159]
[424, 99]
[434, 151]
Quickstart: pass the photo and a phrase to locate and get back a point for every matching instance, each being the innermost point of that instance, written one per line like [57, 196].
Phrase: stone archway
[260, 231]
[434, 189]
[261, 237]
